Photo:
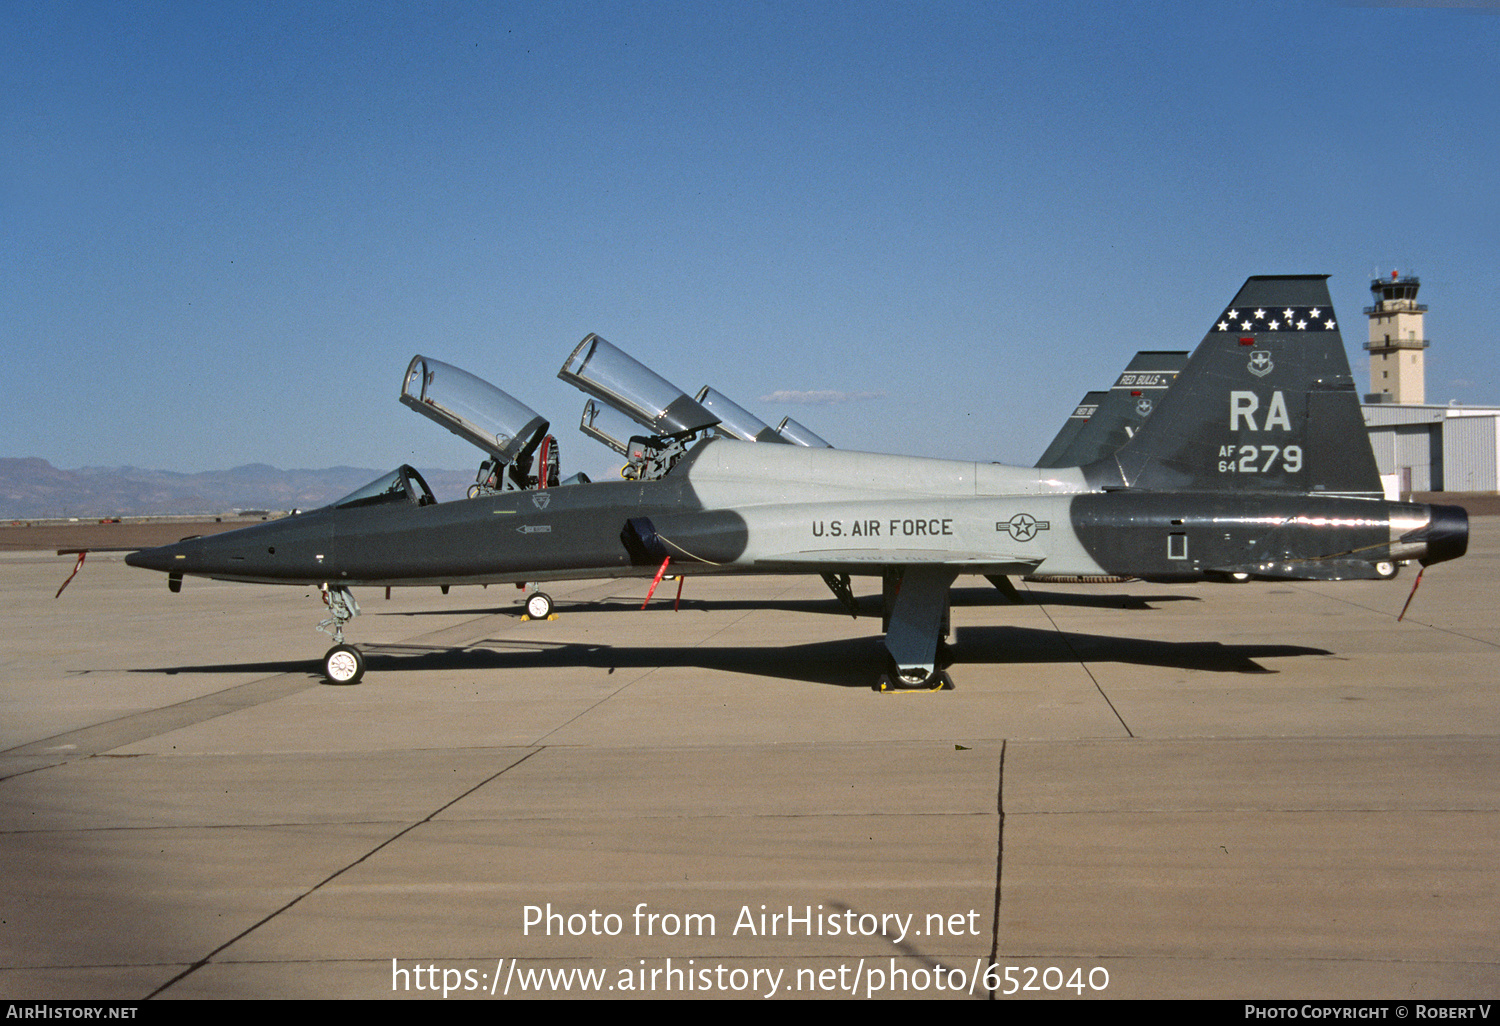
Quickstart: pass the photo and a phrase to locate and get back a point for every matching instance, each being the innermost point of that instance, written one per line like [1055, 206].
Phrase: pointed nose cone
[292, 549]
[1447, 534]
[160, 558]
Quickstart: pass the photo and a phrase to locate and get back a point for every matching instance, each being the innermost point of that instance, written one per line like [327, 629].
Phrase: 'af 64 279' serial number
[1259, 459]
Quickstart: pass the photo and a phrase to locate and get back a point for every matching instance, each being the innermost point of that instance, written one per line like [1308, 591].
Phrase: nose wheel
[343, 664]
[538, 606]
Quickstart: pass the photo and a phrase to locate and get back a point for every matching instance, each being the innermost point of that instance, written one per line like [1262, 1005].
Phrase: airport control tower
[1397, 342]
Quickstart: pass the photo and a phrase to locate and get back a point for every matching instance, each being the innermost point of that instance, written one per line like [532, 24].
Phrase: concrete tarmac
[1136, 790]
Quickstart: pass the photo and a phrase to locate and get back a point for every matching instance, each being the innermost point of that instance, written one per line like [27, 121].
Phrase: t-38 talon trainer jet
[1256, 462]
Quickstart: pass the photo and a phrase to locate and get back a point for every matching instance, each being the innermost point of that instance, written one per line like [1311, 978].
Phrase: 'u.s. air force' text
[909, 527]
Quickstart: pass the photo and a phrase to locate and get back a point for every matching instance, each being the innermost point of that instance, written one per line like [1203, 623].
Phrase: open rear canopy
[612, 376]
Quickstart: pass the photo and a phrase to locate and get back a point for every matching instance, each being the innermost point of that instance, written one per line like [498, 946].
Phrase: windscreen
[403, 484]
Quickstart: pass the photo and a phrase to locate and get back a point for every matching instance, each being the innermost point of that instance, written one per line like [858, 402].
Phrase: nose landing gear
[342, 664]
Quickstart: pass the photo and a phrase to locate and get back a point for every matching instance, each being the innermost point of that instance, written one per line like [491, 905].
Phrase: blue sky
[225, 228]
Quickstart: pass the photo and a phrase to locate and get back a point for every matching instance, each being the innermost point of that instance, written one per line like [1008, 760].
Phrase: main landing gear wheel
[913, 679]
[1386, 569]
[343, 665]
[538, 606]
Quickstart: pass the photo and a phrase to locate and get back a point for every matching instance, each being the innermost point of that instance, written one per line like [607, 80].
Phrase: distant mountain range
[31, 488]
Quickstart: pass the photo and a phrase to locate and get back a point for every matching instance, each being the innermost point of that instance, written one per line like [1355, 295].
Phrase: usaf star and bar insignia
[1023, 526]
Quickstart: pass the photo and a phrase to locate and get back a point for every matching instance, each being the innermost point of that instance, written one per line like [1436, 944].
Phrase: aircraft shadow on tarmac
[869, 605]
[1094, 598]
[845, 662]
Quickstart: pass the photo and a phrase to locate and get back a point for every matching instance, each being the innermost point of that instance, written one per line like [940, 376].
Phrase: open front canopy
[472, 408]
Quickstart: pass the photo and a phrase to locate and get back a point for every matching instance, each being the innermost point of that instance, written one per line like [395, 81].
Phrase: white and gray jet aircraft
[1255, 464]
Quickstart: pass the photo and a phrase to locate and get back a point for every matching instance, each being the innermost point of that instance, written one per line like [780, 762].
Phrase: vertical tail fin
[1120, 413]
[1056, 454]
[1266, 403]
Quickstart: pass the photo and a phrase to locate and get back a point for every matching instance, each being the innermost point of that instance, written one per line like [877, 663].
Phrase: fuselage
[738, 507]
